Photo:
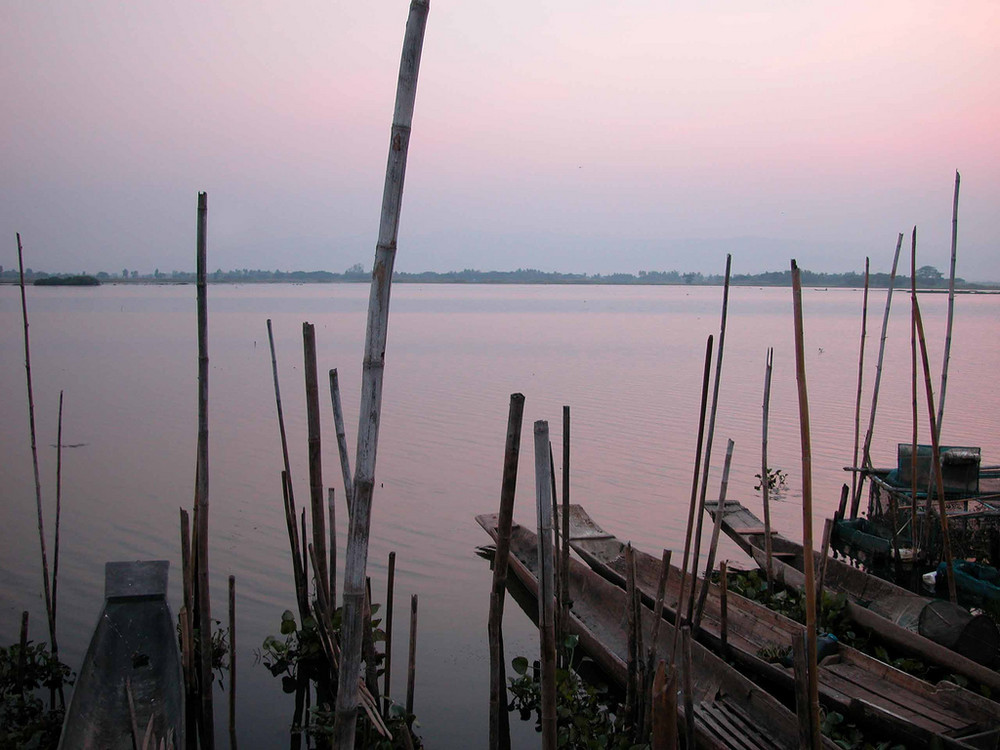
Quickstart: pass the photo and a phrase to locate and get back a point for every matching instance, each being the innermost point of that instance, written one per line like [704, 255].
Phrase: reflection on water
[628, 360]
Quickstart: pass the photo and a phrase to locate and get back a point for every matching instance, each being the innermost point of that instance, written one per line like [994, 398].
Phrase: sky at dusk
[587, 137]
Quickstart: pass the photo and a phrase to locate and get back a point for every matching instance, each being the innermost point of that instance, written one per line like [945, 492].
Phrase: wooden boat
[730, 711]
[913, 711]
[934, 630]
[130, 684]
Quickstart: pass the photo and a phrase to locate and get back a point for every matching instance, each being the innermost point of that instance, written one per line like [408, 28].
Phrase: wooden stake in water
[499, 721]
[371, 392]
[936, 461]
[711, 431]
[390, 588]
[342, 449]
[411, 669]
[207, 714]
[694, 500]
[546, 586]
[315, 455]
[807, 535]
[232, 662]
[55, 549]
[861, 370]
[34, 456]
[765, 477]
[866, 457]
[716, 529]
[951, 305]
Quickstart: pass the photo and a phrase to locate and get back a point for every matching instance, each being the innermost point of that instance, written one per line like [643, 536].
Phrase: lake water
[628, 361]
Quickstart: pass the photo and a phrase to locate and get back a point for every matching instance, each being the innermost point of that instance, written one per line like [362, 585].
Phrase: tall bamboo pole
[207, 723]
[714, 544]
[807, 533]
[546, 585]
[866, 451]
[342, 449]
[951, 304]
[371, 393]
[711, 429]
[913, 398]
[315, 455]
[55, 548]
[936, 459]
[693, 504]
[765, 477]
[861, 373]
[499, 721]
[34, 456]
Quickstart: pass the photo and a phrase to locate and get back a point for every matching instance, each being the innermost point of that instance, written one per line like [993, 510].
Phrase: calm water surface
[628, 360]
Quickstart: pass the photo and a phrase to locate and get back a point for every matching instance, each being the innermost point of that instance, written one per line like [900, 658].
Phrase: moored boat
[130, 685]
[871, 692]
[730, 711]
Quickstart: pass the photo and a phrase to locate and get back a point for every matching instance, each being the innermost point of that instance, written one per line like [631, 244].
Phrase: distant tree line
[928, 277]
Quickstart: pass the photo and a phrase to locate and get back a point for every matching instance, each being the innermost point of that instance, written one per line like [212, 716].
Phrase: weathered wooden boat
[730, 711]
[130, 685]
[934, 630]
[911, 710]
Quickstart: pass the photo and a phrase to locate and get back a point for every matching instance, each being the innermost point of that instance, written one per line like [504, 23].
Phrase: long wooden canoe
[730, 711]
[934, 630]
[130, 682]
[913, 711]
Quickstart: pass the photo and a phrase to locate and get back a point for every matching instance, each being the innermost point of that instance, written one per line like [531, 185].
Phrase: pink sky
[585, 136]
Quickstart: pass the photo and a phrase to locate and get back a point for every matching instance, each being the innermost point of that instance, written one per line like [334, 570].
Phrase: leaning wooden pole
[499, 720]
[951, 305]
[866, 458]
[915, 543]
[807, 533]
[207, 722]
[936, 461]
[861, 379]
[711, 429]
[338, 423]
[714, 543]
[34, 456]
[693, 504]
[315, 455]
[356, 563]
[55, 546]
[765, 477]
[546, 586]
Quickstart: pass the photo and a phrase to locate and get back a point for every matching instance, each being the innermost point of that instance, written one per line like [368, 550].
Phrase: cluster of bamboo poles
[919, 535]
[50, 585]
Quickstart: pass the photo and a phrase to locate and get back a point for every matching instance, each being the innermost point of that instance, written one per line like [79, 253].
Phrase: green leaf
[519, 664]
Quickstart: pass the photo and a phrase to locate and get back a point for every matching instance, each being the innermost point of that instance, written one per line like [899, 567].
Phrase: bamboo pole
[654, 634]
[207, 714]
[800, 664]
[711, 430]
[305, 558]
[913, 395]
[34, 456]
[694, 499]
[866, 451]
[288, 495]
[951, 305]
[564, 578]
[232, 662]
[55, 549]
[546, 586]
[390, 587]
[371, 393]
[315, 455]
[185, 615]
[807, 535]
[714, 544]
[333, 550]
[338, 423]
[411, 668]
[765, 477]
[632, 643]
[724, 606]
[499, 720]
[556, 560]
[936, 460]
[861, 372]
